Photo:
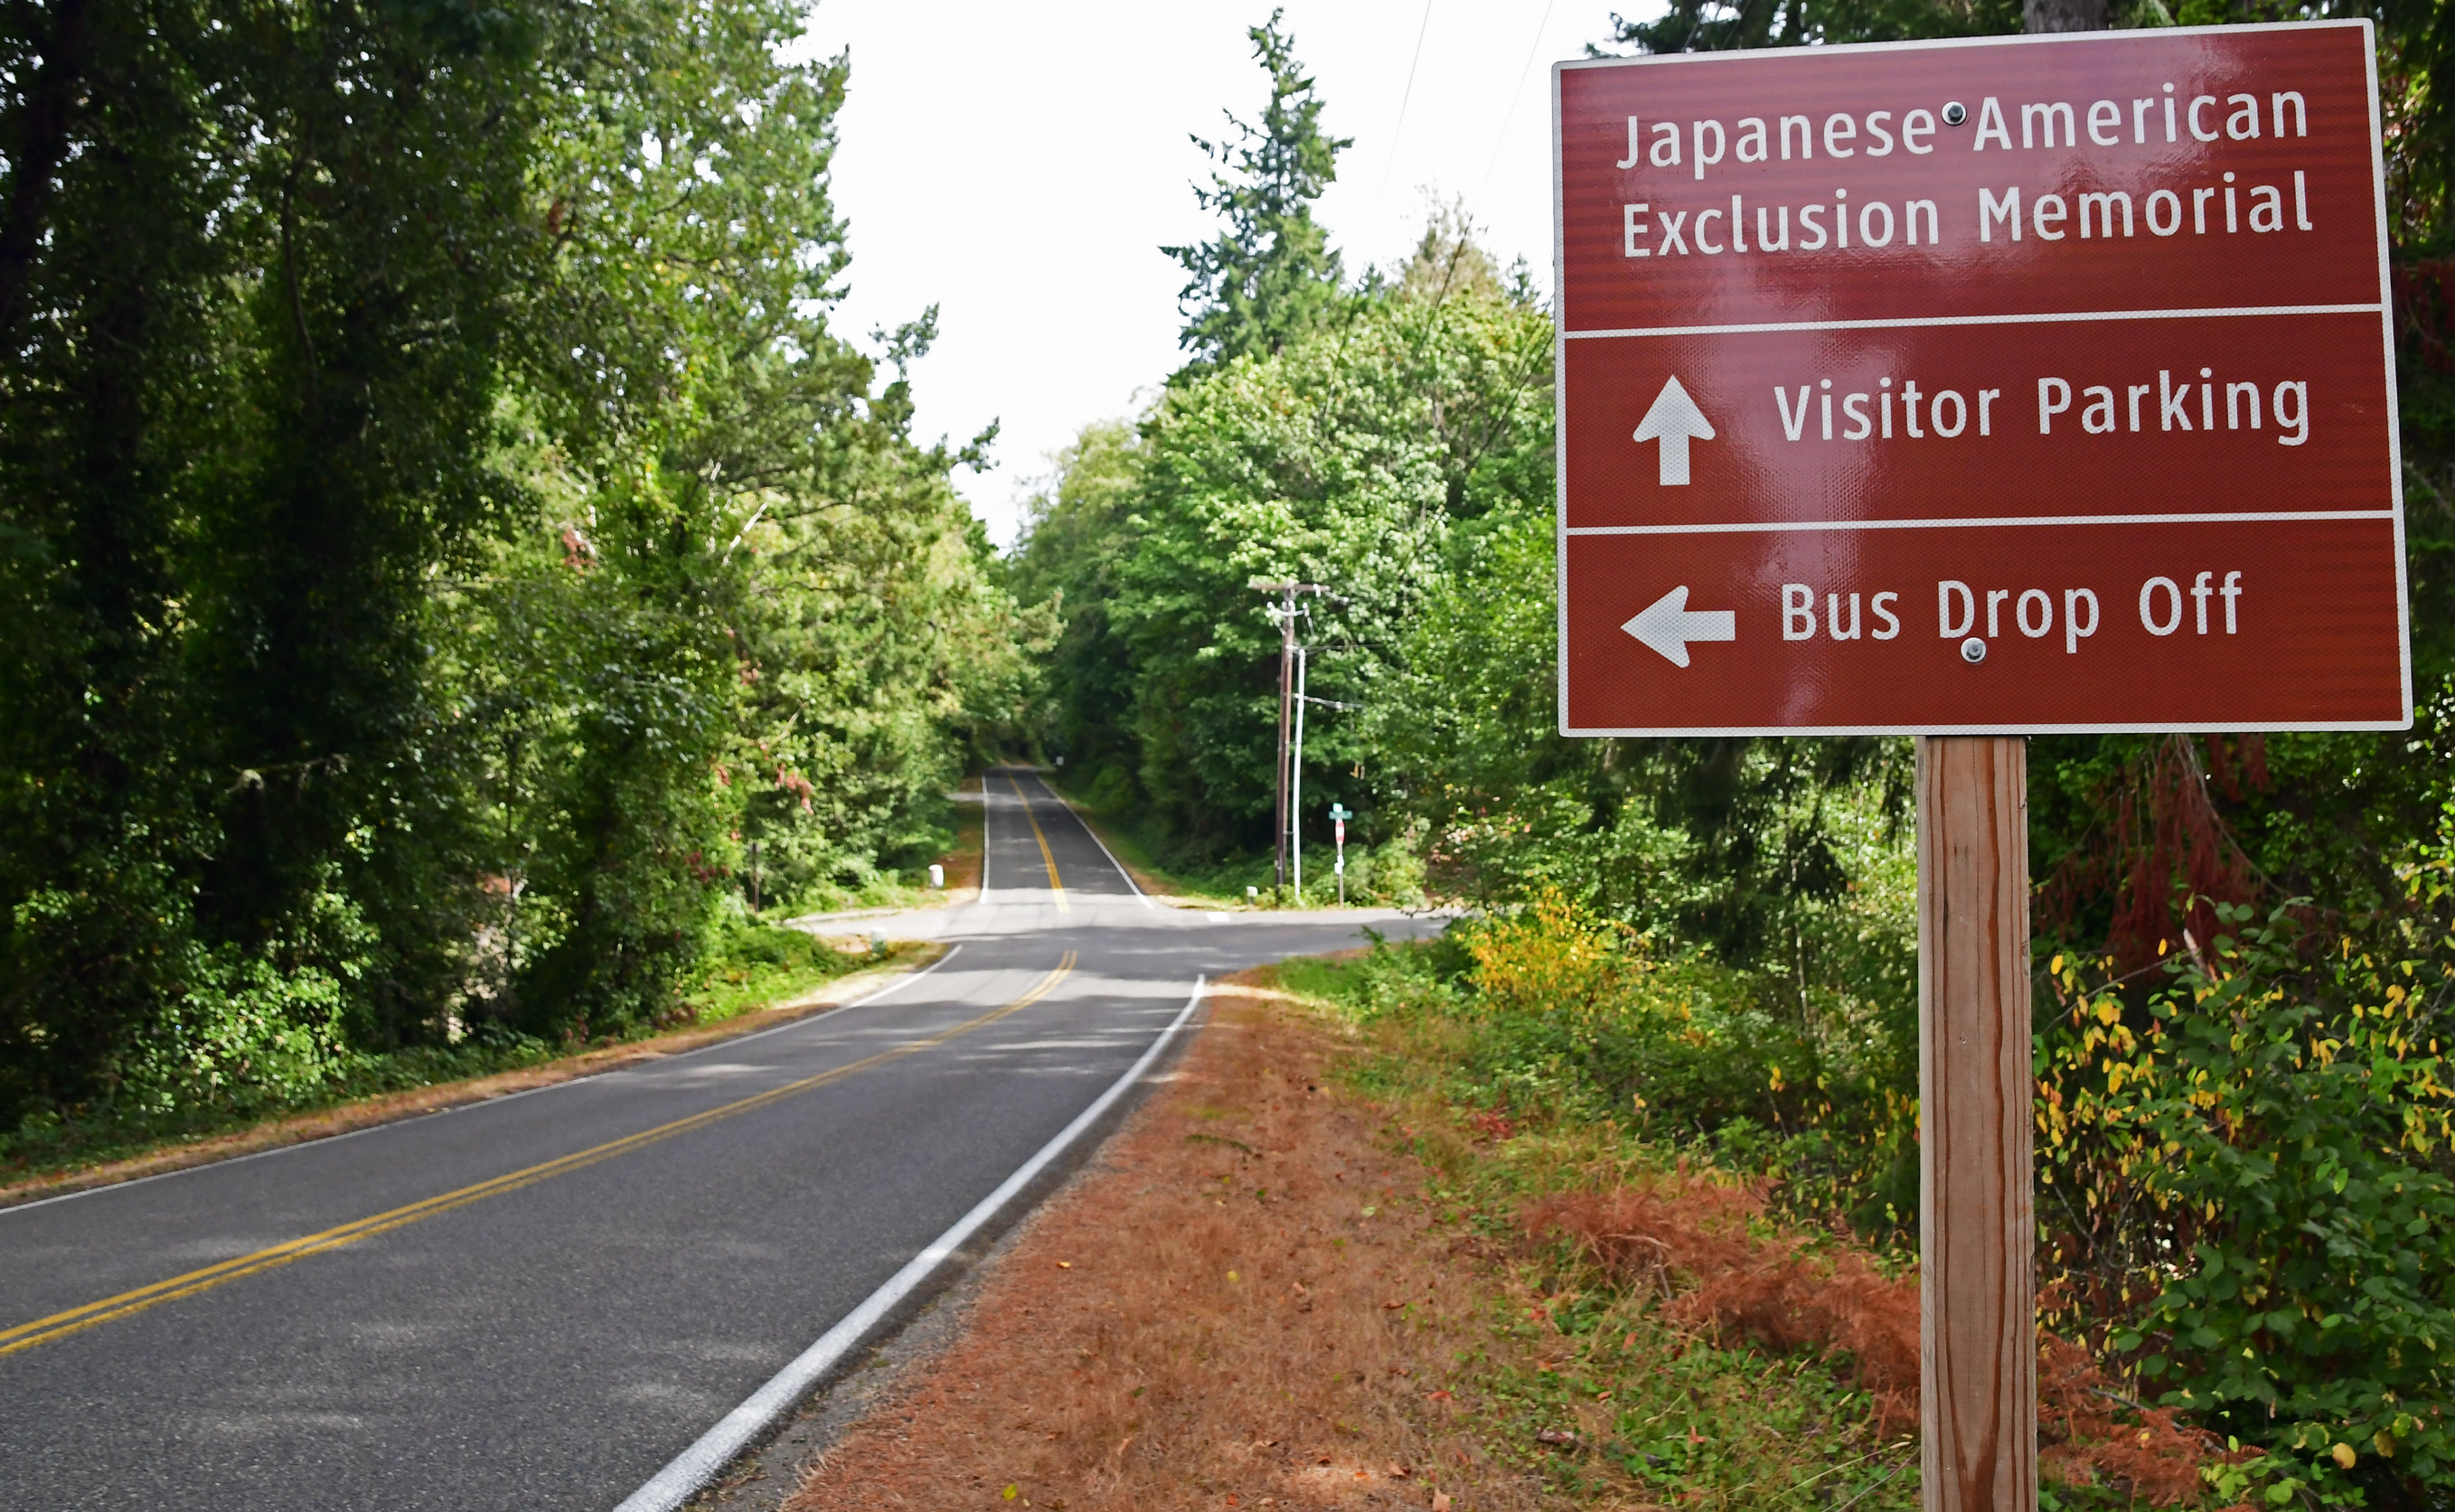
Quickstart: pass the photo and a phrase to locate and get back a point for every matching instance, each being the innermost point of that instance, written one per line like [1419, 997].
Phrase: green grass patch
[760, 966]
[896, 890]
[106, 1133]
[904, 887]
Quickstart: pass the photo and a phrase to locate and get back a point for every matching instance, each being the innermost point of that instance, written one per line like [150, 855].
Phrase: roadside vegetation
[753, 970]
[2269, 1110]
[1324, 1267]
[443, 541]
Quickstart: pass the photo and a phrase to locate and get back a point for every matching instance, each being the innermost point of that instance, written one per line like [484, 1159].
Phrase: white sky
[1021, 165]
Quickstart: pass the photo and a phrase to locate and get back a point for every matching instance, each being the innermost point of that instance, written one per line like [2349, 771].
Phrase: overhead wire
[1500, 142]
[1391, 166]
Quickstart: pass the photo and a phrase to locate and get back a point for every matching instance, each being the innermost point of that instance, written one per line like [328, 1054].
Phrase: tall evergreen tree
[1271, 274]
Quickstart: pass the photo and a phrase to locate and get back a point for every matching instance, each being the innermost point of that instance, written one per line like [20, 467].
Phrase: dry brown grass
[393, 1106]
[1771, 1287]
[1245, 1305]
[1710, 1237]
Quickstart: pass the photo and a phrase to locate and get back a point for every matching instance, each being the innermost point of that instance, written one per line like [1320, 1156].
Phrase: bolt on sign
[2016, 384]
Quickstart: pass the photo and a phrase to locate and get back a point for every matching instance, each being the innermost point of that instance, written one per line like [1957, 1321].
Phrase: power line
[1404, 95]
[1501, 140]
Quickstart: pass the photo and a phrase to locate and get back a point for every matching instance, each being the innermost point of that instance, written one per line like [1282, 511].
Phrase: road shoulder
[1245, 1295]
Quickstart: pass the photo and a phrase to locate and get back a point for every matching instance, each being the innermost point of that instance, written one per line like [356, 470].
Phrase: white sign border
[1560, 337]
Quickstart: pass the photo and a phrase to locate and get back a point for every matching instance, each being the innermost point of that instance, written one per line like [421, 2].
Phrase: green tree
[254, 272]
[1271, 274]
[779, 625]
[437, 522]
[1345, 458]
[1077, 528]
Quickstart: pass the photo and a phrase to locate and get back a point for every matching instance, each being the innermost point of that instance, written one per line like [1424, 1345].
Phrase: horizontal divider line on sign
[1983, 522]
[1902, 322]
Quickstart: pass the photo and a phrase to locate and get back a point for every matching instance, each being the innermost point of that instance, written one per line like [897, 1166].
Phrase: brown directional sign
[2014, 384]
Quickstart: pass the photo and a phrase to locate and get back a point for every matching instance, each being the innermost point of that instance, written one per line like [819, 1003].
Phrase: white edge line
[1068, 804]
[1913, 322]
[803, 1022]
[1985, 522]
[695, 1466]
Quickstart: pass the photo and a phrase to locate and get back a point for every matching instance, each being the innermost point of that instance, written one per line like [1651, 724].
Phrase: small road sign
[2015, 384]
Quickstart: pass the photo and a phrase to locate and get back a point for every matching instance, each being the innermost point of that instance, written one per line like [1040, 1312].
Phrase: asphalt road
[537, 1301]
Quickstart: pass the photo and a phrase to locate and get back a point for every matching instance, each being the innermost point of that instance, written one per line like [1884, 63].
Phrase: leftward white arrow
[1668, 624]
[1671, 420]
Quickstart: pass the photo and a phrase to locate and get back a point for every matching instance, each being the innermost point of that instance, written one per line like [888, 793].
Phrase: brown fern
[1705, 1243]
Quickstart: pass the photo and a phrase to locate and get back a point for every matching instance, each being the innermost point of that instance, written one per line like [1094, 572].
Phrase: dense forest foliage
[440, 533]
[2244, 968]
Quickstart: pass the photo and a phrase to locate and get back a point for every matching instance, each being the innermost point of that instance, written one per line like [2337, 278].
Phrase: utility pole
[1295, 789]
[1286, 615]
[1288, 705]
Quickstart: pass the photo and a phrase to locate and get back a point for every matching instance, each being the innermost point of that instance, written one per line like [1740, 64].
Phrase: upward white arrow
[1671, 420]
[1668, 624]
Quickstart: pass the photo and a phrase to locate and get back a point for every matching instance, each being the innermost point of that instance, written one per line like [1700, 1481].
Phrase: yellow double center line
[1050, 861]
[59, 1326]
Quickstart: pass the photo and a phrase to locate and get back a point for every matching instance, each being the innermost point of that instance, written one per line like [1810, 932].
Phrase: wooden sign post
[1976, 1216]
[1970, 390]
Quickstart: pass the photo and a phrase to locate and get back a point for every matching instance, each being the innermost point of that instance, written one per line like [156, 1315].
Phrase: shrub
[2254, 1158]
[2245, 1169]
[250, 1029]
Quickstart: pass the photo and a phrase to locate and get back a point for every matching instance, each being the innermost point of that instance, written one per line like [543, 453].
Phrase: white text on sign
[2203, 403]
[2032, 611]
